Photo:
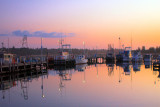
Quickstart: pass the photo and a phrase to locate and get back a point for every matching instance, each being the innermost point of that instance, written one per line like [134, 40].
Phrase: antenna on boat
[84, 47]
[2, 45]
[131, 41]
[61, 42]
[119, 44]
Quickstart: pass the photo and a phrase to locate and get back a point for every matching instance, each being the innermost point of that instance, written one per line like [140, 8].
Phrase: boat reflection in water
[136, 67]
[148, 64]
[8, 81]
[81, 68]
[126, 67]
[110, 68]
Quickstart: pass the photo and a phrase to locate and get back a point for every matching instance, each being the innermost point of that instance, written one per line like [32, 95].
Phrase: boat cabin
[7, 57]
[80, 57]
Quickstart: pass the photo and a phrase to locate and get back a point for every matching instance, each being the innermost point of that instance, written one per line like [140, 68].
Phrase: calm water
[86, 86]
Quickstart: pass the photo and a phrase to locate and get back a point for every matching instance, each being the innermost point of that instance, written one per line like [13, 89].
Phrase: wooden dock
[23, 65]
[97, 59]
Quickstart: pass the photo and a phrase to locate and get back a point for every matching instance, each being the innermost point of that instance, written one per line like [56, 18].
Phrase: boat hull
[81, 61]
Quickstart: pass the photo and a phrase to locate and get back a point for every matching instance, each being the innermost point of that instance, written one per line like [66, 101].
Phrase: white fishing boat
[80, 59]
[147, 58]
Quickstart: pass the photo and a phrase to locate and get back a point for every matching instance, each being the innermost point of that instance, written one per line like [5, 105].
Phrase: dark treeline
[45, 51]
[152, 50]
[89, 52]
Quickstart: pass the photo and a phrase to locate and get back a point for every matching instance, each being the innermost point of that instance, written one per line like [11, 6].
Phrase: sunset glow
[96, 22]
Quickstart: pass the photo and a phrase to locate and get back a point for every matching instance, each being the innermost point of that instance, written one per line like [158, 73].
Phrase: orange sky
[98, 23]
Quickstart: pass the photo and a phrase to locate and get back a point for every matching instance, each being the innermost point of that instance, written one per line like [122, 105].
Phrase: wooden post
[96, 60]
[17, 64]
[1, 64]
[31, 62]
[13, 66]
[24, 64]
[47, 60]
[35, 65]
[9, 65]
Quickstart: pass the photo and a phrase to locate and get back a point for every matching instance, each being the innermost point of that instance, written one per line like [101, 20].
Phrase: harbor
[11, 63]
[79, 53]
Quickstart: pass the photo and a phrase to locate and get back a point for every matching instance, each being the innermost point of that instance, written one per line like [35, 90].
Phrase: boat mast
[8, 44]
[84, 47]
[119, 44]
[131, 41]
[41, 48]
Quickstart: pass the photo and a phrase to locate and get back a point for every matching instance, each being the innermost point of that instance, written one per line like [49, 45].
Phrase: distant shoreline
[30, 51]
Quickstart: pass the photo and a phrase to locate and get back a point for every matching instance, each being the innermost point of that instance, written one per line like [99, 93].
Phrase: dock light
[83, 43]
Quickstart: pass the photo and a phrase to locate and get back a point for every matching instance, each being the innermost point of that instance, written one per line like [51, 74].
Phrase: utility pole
[8, 44]
[2, 46]
[41, 49]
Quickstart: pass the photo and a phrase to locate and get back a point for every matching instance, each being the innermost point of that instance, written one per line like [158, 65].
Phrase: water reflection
[81, 68]
[110, 68]
[126, 67]
[23, 79]
[148, 65]
[136, 67]
[81, 84]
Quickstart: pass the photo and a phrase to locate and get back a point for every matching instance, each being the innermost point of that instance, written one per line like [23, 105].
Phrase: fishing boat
[110, 57]
[148, 58]
[124, 56]
[65, 58]
[137, 57]
[80, 59]
[119, 57]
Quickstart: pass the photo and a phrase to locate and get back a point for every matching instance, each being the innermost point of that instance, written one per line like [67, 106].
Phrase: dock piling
[1, 64]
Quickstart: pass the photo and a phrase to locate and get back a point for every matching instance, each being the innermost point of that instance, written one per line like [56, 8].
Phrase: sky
[96, 22]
